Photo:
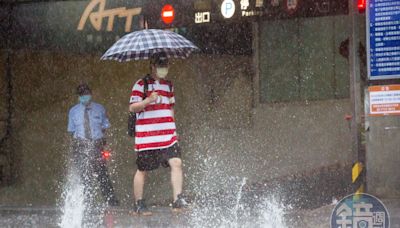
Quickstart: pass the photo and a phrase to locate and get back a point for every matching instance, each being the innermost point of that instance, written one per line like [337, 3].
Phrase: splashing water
[238, 198]
[237, 210]
[73, 208]
[272, 214]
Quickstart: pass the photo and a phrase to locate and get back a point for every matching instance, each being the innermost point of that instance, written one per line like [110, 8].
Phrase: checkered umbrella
[142, 44]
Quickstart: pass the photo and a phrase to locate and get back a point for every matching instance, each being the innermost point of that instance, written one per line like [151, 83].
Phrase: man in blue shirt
[87, 122]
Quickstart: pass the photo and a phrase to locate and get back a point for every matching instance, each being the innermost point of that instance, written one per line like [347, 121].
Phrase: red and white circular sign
[168, 14]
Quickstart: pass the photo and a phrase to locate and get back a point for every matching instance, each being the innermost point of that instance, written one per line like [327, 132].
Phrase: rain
[284, 113]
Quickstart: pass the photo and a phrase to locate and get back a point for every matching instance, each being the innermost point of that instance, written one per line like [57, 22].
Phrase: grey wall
[5, 140]
[382, 139]
[3, 100]
[383, 156]
[300, 59]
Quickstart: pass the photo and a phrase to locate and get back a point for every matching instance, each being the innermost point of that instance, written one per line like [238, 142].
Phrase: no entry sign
[168, 14]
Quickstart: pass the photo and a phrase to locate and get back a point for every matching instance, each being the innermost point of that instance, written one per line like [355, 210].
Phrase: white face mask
[162, 72]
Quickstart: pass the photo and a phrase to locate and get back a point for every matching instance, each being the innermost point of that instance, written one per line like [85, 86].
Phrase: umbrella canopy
[142, 44]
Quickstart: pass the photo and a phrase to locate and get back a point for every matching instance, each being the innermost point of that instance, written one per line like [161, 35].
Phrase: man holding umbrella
[155, 138]
[152, 100]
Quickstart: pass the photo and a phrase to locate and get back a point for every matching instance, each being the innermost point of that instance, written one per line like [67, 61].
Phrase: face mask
[85, 99]
[162, 72]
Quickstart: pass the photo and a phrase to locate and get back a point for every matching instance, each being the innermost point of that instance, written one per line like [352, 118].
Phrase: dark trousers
[90, 164]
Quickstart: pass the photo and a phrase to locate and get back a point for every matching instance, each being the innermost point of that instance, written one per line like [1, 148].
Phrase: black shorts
[152, 159]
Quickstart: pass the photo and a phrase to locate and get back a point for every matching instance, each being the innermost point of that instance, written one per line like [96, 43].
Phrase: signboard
[226, 11]
[92, 26]
[287, 9]
[74, 26]
[96, 16]
[383, 39]
[384, 100]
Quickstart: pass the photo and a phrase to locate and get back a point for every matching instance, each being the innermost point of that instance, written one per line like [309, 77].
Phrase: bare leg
[138, 184]
[176, 176]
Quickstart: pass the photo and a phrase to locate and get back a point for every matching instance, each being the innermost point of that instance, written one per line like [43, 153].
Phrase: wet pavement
[320, 218]
[164, 217]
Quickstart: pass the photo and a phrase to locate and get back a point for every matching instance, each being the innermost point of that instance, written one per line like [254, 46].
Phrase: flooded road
[163, 217]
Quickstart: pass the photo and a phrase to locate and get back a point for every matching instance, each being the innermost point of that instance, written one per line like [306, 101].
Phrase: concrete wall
[224, 139]
[5, 140]
[383, 156]
[3, 100]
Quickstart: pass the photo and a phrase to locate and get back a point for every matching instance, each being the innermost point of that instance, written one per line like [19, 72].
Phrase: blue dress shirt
[97, 118]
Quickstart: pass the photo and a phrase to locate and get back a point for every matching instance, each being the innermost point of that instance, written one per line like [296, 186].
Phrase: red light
[106, 154]
[168, 14]
[361, 5]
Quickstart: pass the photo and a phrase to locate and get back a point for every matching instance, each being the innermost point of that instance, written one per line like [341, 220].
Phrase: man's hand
[139, 106]
[153, 97]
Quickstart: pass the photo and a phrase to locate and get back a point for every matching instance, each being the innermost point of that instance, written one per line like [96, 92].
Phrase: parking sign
[228, 8]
